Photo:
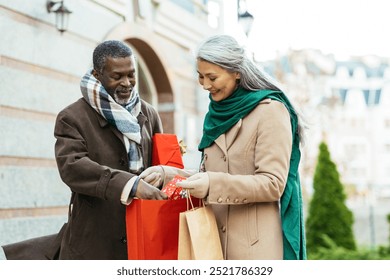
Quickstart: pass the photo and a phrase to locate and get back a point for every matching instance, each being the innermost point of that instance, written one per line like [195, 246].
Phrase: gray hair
[110, 48]
[224, 51]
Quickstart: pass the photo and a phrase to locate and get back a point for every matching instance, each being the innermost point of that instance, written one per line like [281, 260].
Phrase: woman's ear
[238, 77]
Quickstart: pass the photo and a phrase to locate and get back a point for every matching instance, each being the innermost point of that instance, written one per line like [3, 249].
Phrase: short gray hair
[110, 48]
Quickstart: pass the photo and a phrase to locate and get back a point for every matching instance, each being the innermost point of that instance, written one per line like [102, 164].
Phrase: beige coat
[248, 168]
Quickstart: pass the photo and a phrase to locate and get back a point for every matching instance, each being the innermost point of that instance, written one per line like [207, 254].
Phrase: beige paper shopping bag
[198, 235]
[185, 251]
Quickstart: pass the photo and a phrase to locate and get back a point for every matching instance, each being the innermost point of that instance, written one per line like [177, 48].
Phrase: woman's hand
[198, 185]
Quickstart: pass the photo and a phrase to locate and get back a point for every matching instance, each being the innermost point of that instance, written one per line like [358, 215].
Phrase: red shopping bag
[152, 228]
[166, 150]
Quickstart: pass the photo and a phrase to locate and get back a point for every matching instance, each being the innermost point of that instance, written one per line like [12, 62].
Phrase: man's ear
[95, 74]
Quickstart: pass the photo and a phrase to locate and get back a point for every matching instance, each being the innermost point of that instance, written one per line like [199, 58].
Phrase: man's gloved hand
[198, 185]
[146, 191]
[154, 176]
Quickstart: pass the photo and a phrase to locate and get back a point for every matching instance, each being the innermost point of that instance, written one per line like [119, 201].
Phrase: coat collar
[224, 141]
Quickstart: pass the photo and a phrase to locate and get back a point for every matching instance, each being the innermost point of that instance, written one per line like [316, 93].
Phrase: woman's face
[218, 81]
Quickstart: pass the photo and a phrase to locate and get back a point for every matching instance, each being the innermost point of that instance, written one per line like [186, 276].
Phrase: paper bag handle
[201, 204]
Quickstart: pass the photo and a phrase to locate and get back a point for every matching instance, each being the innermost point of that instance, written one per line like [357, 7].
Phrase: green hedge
[333, 252]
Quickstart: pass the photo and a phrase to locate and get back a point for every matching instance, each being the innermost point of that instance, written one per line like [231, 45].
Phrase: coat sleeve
[76, 168]
[273, 146]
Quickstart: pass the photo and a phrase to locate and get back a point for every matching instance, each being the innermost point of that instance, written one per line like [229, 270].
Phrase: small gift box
[172, 191]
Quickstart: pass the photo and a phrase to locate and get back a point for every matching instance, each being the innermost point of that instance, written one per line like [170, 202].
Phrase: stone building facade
[40, 70]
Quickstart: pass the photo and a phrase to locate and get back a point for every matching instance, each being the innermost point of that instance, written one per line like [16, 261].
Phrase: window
[186, 5]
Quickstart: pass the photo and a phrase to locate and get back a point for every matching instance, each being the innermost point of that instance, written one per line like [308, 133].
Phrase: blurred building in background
[345, 103]
[40, 68]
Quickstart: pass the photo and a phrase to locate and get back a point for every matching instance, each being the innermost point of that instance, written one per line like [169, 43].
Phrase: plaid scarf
[124, 118]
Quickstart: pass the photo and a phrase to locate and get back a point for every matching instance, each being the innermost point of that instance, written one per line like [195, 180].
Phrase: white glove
[198, 185]
[154, 176]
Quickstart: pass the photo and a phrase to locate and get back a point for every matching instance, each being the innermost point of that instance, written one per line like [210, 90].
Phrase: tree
[328, 215]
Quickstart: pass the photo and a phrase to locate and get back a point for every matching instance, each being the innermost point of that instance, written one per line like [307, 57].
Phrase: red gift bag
[152, 228]
[166, 150]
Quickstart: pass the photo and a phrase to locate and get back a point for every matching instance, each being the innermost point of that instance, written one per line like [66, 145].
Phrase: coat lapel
[141, 120]
[231, 135]
[221, 143]
[103, 123]
[224, 141]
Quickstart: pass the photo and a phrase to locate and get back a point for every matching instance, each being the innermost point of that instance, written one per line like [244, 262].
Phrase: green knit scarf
[222, 116]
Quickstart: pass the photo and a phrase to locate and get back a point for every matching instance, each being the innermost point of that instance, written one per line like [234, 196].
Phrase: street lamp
[245, 20]
[62, 14]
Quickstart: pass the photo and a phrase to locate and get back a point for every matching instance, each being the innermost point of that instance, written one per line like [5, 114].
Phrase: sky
[340, 27]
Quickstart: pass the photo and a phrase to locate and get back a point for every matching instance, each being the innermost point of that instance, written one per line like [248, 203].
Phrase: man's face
[118, 78]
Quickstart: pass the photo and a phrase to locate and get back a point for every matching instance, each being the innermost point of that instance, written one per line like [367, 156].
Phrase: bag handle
[188, 197]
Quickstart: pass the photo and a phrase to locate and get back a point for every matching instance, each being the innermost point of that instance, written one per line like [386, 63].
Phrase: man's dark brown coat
[93, 162]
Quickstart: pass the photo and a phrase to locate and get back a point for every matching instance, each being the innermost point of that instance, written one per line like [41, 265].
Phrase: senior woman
[250, 157]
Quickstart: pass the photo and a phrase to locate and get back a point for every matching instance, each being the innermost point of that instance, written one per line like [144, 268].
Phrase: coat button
[124, 240]
[122, 162]
[220, 200]
[224, 158]
[223, 228]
